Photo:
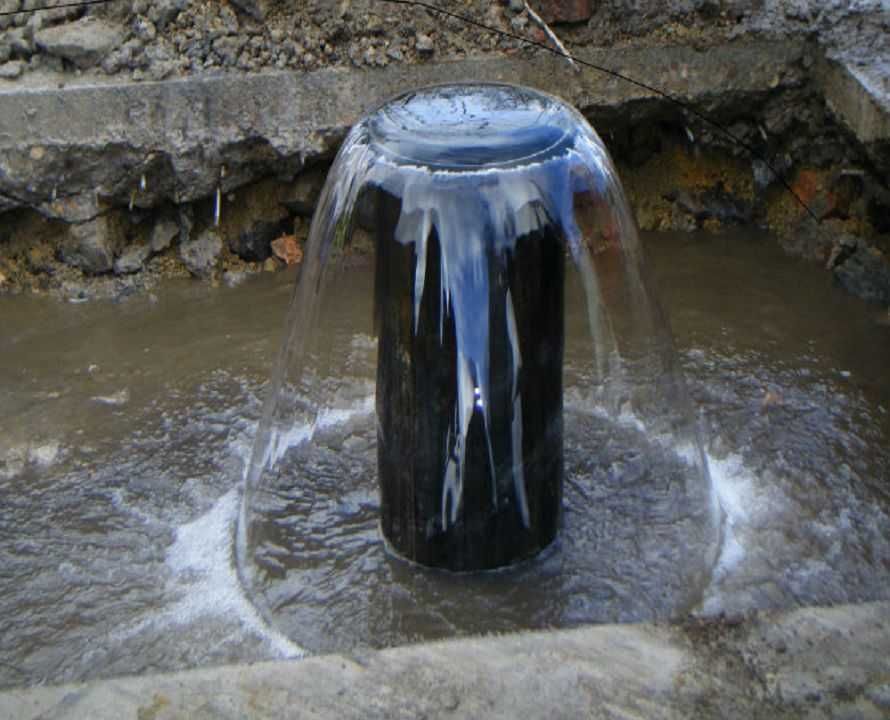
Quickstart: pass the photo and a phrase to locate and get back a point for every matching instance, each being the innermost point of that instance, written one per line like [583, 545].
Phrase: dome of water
[514, 383]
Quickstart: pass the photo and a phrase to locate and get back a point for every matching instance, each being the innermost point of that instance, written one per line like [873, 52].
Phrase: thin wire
[614, 73]
[83, 3]
[554, 51]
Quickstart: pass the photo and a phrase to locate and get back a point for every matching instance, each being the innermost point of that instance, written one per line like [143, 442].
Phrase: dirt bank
[141, 40]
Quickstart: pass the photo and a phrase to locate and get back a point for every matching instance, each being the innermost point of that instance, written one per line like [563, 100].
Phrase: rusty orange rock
[288, 249]
[806, 185]
[563, 11]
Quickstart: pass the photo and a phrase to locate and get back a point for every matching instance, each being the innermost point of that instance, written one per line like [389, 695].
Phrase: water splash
[459, 186]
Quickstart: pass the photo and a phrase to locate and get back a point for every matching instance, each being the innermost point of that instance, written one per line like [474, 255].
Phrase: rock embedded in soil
[8, 6]
[563, 11]
[50, 15]
[288, 249]
[11, 70]
[163, 12]
[84, 43]
[258, 9]
[162, 234]
[424, 45]
[132, 259]
[91, 245]
[306, 188]
[254, 243]
[715, 203]
[21, 41]
[200, 254]
[866, 274]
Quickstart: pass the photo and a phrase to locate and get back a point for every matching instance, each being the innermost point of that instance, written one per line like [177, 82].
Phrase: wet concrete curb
[859, 96]
[76, 151]
[809, 662]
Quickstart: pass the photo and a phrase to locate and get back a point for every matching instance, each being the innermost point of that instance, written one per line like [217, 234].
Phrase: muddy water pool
[124, 429]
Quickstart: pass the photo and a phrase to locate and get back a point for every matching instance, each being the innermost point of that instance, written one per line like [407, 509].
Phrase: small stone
[163, 12]
[288, 249]
[302, 198]
[144, 29]
[271, 264]
[84, 43]
[866, 274]
[6, 7]
[132, 259]
[11, 70]
[161, 70]
[52, 15]
[394, 54]
[90, 245]
[228, 48]
[21, 41]
[516, 6]
[256, 8]
[5, 51]
[200, 255]
[254, 242]
[563, 11]
[841, 251]
[162, 235]
[424, 44]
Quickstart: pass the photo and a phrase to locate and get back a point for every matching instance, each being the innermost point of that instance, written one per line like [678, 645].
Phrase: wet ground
[125, 427]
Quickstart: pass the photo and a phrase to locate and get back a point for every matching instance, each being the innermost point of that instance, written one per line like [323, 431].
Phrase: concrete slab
[858, 94]
[72, 151]
[809, 662]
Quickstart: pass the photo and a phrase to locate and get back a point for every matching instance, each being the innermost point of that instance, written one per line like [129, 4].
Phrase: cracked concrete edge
[70, 152]
[859, 97]
[807, 662]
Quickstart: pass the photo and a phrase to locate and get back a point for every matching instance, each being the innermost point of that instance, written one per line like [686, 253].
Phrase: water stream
[126, 429]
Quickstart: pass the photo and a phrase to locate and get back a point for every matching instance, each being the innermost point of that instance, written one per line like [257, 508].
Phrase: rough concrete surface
[178, 135]
[809, 662]
[859, 96]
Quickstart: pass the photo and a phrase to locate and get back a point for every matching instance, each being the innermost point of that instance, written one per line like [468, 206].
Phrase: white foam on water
[282, 441]
[734, 485]
[202, 555]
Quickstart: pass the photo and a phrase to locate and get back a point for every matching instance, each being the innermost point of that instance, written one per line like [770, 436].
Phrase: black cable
[614, 73]
[82, 3]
